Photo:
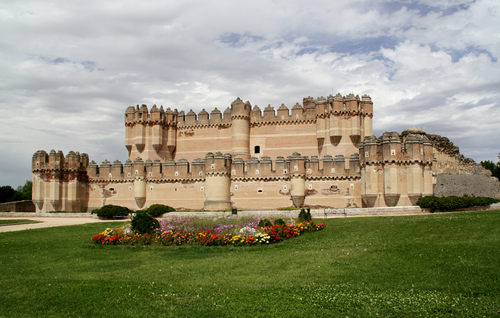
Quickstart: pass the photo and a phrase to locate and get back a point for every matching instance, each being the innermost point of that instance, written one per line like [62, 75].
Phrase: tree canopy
[9, 194]
[493, 167]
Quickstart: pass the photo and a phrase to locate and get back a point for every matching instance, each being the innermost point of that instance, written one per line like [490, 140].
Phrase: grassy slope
[439, 265]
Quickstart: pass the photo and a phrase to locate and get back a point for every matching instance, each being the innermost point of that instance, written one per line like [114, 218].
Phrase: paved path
[47, 222]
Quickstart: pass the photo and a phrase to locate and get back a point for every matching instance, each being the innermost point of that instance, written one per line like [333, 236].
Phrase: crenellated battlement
[334, 123]
[218, 164]
[393, 148]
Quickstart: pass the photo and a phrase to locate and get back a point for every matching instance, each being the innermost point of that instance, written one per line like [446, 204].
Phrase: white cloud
[70, 69]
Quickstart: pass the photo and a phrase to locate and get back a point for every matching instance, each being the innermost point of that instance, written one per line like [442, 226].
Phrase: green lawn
[16, 221]
[407, 266]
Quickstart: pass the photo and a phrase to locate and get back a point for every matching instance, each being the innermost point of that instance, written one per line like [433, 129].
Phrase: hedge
[453, 202]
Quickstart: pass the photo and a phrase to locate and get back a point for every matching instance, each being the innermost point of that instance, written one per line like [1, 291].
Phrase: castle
[318, 154]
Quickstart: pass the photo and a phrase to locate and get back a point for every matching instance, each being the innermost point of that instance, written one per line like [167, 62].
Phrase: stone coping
[316, 213]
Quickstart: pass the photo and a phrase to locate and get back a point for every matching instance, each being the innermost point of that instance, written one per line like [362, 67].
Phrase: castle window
[367, 154]
[150, 174]
[297, 116]
[111, 189]
[257, 171]
[352, 185]
[111, 175]
[201, 173]
[202, 188]
[213, 166]
[151, 188]
[260, 191]
[332, 170]
[285, 187]
[130, 188]
[256, 149]
[295, 168]
[393, 152]
[282, 117]
[285, 171]
[236, 187]
[176, 173]
[334, 187]
[129, 175]
[233, 171]
[310, 187]
[136, 171]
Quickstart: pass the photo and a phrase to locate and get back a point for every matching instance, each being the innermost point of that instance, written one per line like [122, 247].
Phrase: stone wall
[18, 206]
[467, 184]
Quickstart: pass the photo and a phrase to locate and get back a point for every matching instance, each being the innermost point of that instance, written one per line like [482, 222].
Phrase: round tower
[240, 129]
[217, 182]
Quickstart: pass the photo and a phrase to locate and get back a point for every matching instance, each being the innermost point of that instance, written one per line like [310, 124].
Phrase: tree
[8, 194]
[493, 167]
[25, 190]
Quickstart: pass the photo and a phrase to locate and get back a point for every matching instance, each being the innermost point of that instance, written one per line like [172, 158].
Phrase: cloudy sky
[69, 69]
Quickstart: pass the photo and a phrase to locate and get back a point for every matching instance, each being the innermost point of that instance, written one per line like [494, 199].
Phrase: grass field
[437, 265]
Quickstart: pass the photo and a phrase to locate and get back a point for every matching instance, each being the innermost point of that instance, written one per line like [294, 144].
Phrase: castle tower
[240, 129]
[217, 181]
[414, 179]
[297, 179]
[39, 161]
[391, 152]
[369, 171]
[150, 135]
[139, 183]
[367, 113]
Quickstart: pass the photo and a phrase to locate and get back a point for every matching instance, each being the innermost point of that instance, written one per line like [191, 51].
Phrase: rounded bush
[109, 211]
[156, 210]
[142, 223]
[279, 222]
[305, 215]
[265, 223]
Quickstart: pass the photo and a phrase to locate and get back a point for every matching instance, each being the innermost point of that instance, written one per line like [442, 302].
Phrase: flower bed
[178, 231]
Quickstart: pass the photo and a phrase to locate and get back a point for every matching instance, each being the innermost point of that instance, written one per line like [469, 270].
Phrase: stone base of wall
[316, 213]
[24, 206]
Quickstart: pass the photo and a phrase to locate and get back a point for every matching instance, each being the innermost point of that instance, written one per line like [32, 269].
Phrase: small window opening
[111, 189]
[256, 149]
[260, 191]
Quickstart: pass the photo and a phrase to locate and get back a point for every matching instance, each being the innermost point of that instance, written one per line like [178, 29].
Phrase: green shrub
[157, 210]
[453, 202]
[305, 215]
[142, 223]
[279, 222]
[265, 223]
[109, 211]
